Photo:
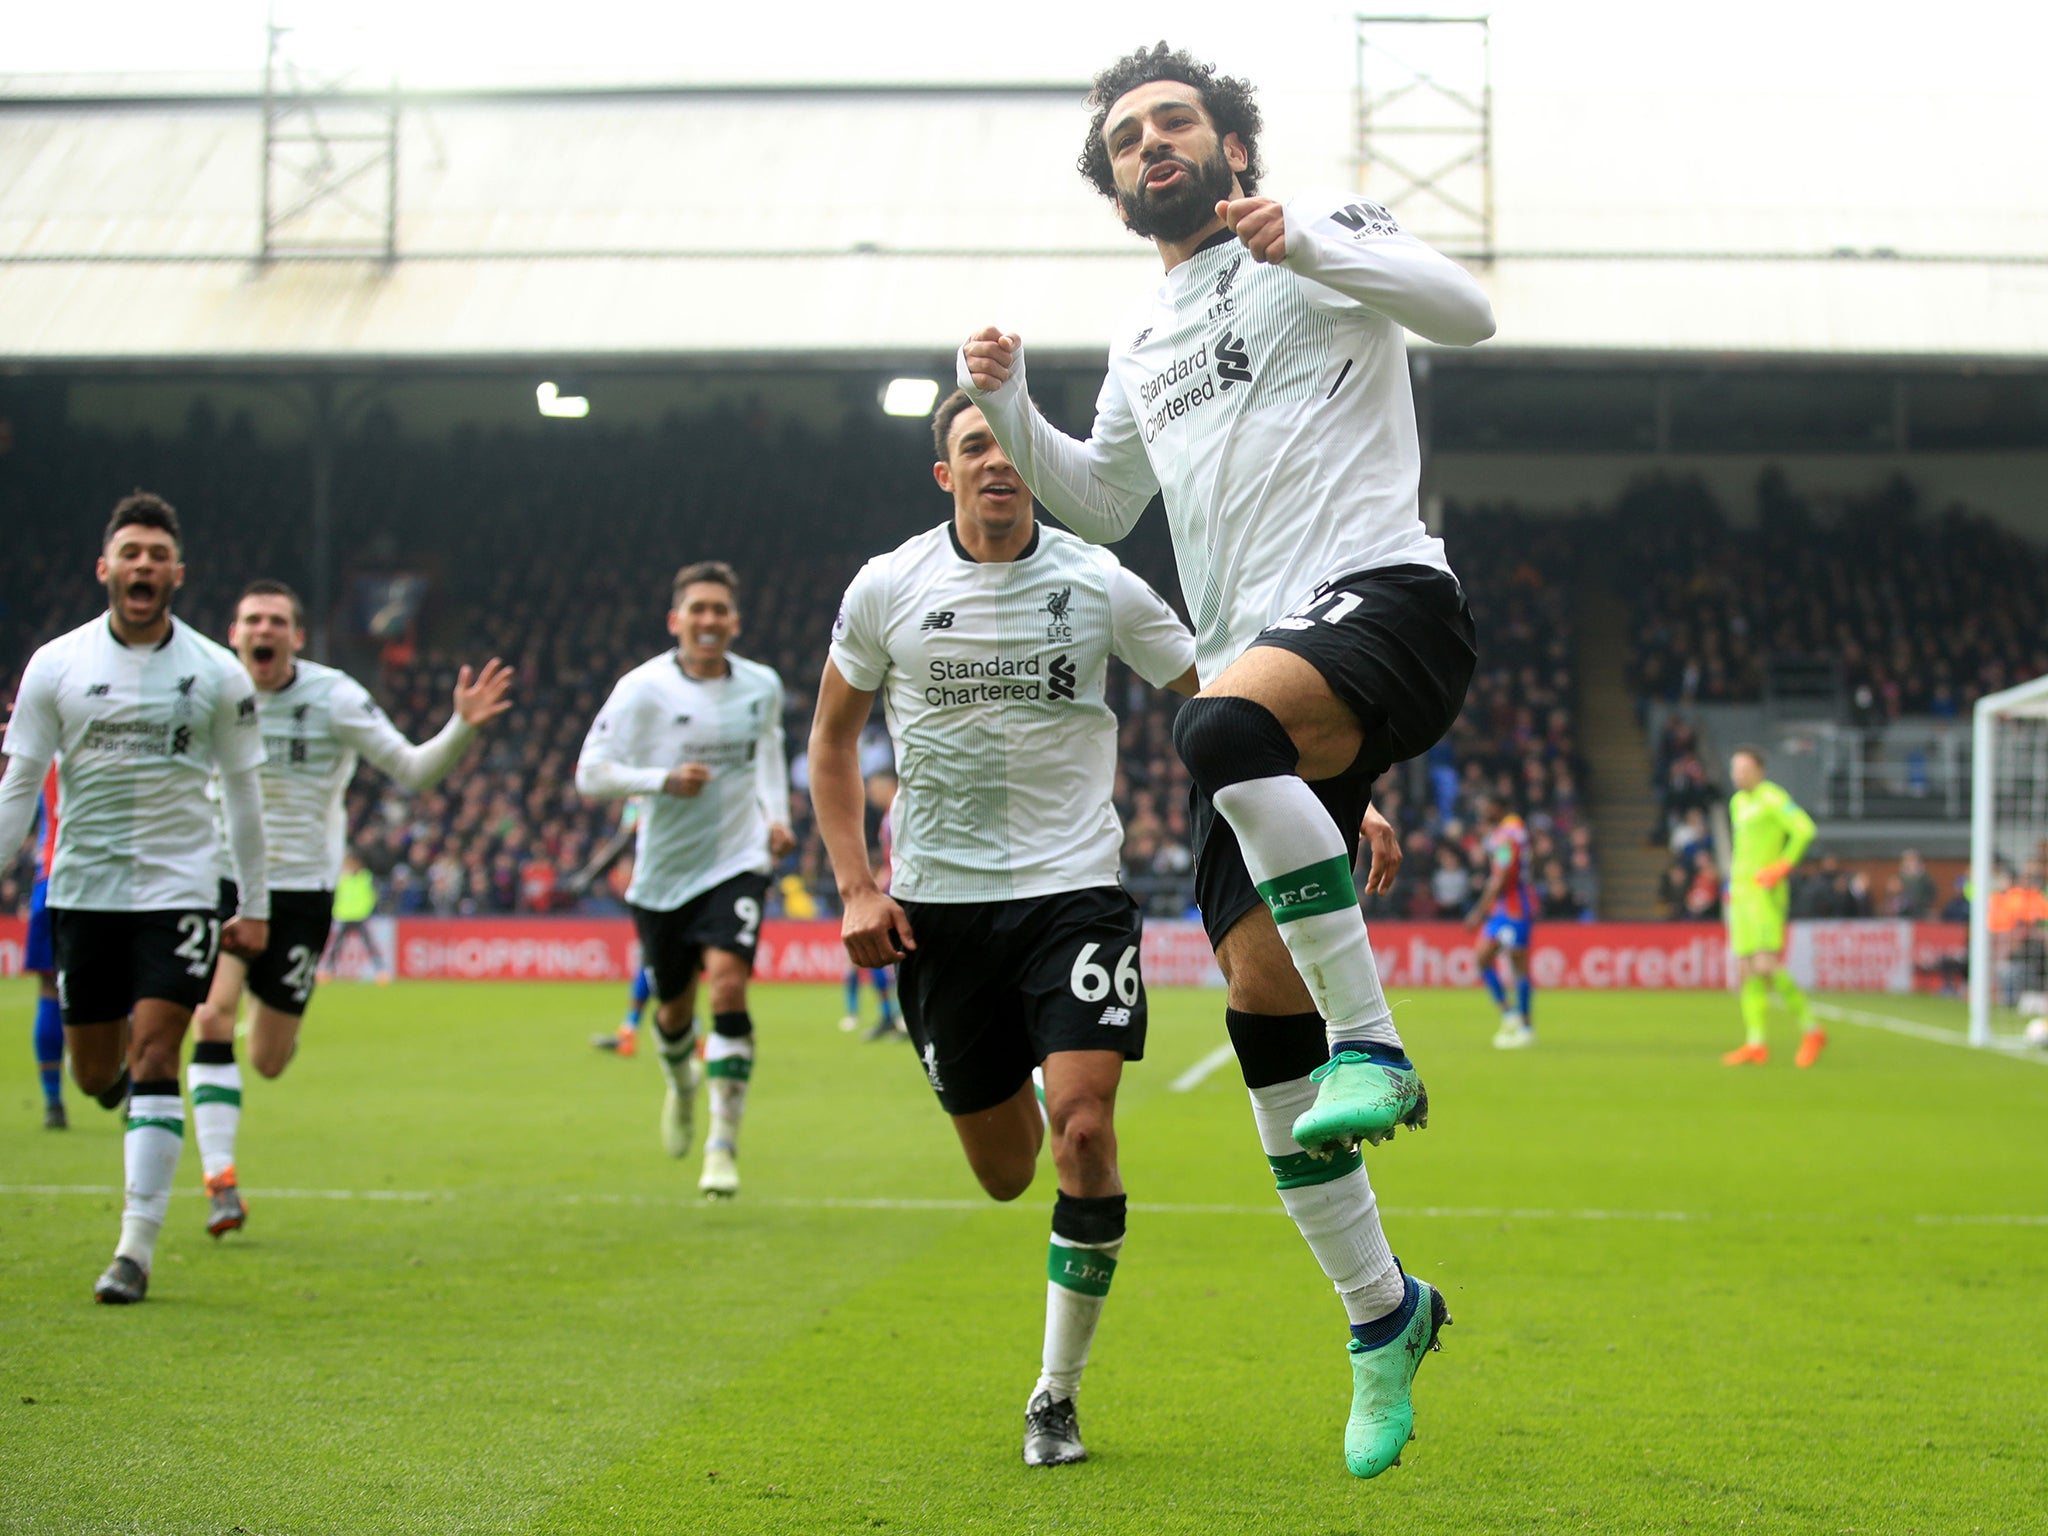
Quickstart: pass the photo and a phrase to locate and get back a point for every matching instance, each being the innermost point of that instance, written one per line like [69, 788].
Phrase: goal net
[2009, 866]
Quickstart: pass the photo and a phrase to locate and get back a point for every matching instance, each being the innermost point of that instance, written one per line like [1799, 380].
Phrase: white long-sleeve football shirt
[659, 717]
[1270, 403]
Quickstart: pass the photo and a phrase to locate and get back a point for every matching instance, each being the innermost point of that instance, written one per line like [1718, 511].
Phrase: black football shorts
[1396, 645]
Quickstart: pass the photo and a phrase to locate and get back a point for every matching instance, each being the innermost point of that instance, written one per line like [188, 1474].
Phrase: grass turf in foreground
[1686, 1298]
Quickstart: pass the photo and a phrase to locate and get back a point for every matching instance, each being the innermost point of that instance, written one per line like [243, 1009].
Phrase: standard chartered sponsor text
[1173, 407]
[998, 680]
[127, 738]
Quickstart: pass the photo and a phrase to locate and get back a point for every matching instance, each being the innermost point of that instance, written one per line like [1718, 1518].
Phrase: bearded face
[1176, 196]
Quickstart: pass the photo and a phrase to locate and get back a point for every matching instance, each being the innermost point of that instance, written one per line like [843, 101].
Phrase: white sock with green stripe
[156, 1135]
[1087, 1237]
[728, 1068]
[1296, 858]
[677, 1052]
[1331, 1201]
[215, 1083]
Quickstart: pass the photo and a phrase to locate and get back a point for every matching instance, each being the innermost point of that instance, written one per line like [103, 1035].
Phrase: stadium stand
[1861, 610]
[553, 550]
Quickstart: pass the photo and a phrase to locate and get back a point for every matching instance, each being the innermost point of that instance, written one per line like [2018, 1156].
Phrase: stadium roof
[819, 223]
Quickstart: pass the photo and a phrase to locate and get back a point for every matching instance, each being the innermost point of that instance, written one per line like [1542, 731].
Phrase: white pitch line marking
[1914, 1029]
[1194, 1077]
[887, 1203]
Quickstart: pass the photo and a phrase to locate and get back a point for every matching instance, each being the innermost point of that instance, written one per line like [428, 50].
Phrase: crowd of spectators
[553, 549]
[1515, 739]
[1922, 614]
[1900, 612]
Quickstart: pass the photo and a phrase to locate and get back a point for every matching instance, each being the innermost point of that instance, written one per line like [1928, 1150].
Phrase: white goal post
[2008, 843]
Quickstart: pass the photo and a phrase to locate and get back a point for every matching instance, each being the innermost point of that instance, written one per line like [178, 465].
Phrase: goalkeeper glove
[1773, 872]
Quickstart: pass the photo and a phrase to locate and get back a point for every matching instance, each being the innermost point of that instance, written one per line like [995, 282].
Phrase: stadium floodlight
[910, 397]
[554, 403]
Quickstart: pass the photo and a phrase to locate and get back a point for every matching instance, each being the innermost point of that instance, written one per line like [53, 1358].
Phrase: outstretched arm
[1097, 488]
[1358, 251]
[366, 728]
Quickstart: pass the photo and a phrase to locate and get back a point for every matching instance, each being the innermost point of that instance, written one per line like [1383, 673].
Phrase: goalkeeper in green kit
[1771, 836]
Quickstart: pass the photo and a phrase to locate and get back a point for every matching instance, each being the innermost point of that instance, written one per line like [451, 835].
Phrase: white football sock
[1074, 1294]
[156, 1135]
[216, 1112]
[1332, 1203]
[677, 1057]
[1296, 858]
[728, 1066]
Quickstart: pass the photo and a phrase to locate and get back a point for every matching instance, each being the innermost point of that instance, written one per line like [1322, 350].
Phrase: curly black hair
[1229, 102]
[143, 509]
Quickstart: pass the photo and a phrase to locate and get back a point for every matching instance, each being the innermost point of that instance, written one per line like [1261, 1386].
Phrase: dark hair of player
[705, 570]
[1228, 101]
[142, 509]
[264, 586]
[1754, 753]
[942, 423]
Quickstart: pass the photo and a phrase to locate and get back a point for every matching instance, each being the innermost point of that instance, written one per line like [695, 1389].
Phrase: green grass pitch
[474, 1296]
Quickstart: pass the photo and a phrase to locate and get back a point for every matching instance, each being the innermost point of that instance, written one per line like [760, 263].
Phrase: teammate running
[698, 730]
[1772, 835]
[140, 712]
[39, 961]
[1263, 387]
[1503, 915]
[988, 638]
[316, 721]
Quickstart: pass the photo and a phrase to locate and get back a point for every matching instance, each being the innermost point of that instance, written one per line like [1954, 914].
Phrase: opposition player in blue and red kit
[1503, 915]
[41, 962]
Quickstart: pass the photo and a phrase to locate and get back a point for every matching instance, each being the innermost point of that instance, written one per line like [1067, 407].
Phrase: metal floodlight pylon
[330, 155]
[1424, 137]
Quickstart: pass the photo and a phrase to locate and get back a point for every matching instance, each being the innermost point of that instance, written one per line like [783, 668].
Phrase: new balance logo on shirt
[1115, 1018]
[942, 619]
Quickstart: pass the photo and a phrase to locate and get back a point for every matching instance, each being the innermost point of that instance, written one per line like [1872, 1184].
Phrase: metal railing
[1907, 771]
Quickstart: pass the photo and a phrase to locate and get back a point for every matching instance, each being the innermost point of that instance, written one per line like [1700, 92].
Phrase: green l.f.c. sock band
[1086, 1270]
[1298, 1170]
[1310, 891]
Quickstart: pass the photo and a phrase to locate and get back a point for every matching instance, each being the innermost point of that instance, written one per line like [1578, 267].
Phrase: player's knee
[211, 1023]
[1005, 1180]
[271, 1063]
[1083, 1134]
[94, 1076]
[1228, 740]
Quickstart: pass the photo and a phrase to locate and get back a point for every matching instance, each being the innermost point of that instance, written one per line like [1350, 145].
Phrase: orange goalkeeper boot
[1811, 1044]
[1747, 1056]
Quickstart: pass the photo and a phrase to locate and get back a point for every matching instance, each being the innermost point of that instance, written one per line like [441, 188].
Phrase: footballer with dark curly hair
[1262, 387]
